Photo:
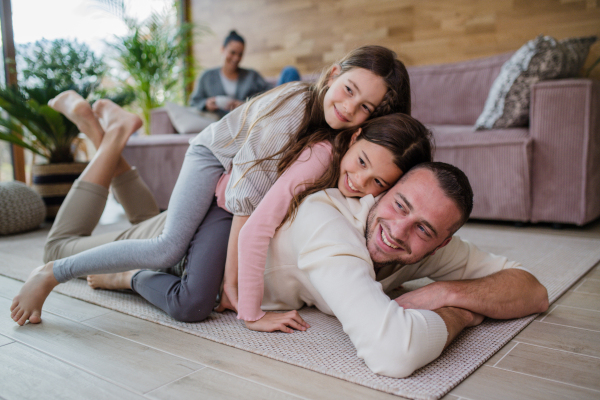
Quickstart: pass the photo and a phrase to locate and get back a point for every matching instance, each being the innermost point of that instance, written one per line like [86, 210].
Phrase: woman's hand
[211, 104]
[233, 104]
[275, 321]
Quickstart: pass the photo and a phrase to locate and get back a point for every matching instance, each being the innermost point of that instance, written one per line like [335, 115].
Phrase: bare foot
[27, 305]
[79, 111]
[121, 280]
[113, 118]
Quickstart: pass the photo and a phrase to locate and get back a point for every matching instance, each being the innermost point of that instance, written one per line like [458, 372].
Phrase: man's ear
[335, 72]
[444, 243]
[355, 135]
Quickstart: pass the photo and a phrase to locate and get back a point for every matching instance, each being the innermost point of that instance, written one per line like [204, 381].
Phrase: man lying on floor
[341, 255]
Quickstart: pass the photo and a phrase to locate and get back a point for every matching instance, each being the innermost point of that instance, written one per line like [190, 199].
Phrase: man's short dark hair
[455, 184]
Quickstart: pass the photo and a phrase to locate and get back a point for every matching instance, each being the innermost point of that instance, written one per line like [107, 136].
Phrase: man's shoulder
[328, 205]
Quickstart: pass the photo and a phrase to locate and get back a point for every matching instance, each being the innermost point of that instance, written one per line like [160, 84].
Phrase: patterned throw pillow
[539, 59]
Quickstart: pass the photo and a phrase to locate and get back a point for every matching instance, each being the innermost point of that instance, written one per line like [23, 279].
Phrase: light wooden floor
[82, 351]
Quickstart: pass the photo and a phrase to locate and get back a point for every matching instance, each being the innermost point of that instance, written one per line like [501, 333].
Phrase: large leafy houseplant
[154, 57]
[47, 68]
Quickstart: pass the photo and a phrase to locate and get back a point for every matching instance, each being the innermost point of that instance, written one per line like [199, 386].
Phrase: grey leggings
[191, 298]
[191, 199]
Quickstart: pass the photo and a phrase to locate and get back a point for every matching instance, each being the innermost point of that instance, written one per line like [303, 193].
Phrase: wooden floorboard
[490, 383]
[557, 365]
[26, 373]
[558, 337]
[119, 360]
[212, 384]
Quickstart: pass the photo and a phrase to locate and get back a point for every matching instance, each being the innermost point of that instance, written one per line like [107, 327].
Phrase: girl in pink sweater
[359, 162]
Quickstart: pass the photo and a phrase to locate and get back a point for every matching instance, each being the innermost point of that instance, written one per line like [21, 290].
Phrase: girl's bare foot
[113, 118]
[121, 280]
[27, 305]
[79, 111]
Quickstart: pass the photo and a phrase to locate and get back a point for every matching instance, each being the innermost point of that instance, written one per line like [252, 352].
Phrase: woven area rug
[557, 261]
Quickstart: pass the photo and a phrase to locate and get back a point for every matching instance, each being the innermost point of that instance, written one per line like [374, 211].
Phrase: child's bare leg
[27, 305]
[120, 280]
[79, 111]
[118, 126]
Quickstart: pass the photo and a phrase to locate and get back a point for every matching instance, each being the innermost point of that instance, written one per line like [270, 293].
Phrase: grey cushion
[188, 119]
[21, 208]
[539, 59]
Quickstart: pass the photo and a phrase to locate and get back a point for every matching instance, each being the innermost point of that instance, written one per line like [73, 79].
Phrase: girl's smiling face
[352, 97]
[367, 168]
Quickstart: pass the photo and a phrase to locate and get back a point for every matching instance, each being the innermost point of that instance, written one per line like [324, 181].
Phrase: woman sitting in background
[222, 89]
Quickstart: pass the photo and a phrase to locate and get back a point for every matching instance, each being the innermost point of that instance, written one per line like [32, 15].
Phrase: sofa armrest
[565, 128]
[160, 123]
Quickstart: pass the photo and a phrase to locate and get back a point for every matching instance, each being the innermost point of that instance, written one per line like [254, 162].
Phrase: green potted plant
[47, 68]
[152, 56]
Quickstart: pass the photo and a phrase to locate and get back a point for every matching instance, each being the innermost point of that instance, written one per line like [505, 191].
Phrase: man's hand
[274, 321]
[430, 297]
[456, 319]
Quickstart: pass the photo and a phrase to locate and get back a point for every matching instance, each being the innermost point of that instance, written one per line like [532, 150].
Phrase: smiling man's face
[412, 220]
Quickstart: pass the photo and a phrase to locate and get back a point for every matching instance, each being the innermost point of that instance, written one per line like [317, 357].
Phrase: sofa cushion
[539, 59]
[453, 93]
[188, 119]
[158, 159]
[498, 165]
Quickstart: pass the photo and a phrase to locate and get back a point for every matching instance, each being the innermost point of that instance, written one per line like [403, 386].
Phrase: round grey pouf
[21, 208]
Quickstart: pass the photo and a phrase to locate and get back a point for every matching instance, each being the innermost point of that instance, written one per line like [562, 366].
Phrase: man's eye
[423, 230]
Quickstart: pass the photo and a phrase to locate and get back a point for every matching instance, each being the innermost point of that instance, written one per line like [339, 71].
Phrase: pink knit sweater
[260, 228]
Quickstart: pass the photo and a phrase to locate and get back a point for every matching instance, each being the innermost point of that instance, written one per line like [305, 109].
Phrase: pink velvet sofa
[547, 172]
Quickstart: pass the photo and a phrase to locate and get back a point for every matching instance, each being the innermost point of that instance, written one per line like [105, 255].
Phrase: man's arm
[457, 319]
[510, 293]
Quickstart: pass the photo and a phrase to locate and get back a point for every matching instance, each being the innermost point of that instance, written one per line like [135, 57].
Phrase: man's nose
[400, 229]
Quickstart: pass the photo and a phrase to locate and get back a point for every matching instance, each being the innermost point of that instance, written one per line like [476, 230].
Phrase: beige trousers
[79, 214]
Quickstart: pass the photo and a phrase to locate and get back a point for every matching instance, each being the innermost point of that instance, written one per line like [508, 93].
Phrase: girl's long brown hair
[313, 128]
[409, 141]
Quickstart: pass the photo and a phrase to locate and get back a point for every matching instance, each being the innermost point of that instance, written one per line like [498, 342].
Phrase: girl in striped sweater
[274, 128]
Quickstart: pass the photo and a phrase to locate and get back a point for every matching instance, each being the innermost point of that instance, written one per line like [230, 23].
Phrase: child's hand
[229, 298]
[274, 321]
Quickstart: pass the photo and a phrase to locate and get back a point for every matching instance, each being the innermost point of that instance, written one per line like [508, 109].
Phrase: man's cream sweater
[321, 260]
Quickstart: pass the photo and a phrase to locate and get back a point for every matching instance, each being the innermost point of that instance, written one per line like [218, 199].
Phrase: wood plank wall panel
[311, 34]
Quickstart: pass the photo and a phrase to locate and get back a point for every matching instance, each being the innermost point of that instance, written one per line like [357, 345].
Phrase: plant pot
[53, 182]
